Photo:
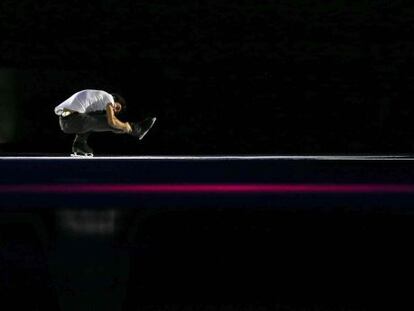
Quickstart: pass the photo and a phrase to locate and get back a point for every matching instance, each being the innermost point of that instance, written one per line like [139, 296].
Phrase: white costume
[86, 101]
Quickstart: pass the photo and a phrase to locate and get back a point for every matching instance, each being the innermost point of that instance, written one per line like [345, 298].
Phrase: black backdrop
[241, 77]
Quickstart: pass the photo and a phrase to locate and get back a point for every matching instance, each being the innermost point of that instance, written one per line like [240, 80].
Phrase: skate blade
[85, 155]
[145, 133]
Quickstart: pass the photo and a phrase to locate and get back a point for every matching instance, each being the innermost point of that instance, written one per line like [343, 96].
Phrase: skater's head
[120, 104]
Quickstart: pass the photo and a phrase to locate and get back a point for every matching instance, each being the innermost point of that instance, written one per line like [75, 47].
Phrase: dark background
[223, 77]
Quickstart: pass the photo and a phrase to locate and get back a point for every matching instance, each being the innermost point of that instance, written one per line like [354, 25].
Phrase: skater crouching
[91, 111]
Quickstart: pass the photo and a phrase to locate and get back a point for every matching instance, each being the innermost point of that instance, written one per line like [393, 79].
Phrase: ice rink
[227, 233]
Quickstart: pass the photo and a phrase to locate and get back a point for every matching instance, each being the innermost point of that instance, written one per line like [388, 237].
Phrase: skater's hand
[128, 128]
[115, 123]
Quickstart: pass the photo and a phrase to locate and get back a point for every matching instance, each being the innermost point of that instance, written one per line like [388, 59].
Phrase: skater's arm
[114, 122]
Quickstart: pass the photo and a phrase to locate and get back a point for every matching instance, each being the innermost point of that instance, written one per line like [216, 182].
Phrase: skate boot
[81, 149]
[140, 129]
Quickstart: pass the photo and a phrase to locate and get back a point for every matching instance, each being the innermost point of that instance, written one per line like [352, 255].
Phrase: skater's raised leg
[140, 129]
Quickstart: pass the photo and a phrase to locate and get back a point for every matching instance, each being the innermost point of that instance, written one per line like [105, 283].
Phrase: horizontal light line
[225, 157]
[205, 188]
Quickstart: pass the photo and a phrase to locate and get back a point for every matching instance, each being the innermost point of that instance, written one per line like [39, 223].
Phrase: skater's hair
[119, 99]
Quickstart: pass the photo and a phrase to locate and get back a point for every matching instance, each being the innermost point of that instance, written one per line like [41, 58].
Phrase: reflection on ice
[88, 221]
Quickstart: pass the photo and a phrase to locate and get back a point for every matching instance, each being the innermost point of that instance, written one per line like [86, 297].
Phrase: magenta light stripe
[206, 188]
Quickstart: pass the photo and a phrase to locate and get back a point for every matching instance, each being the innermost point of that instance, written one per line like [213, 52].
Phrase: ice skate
[81, 155]
[81, 149]
[140, 129]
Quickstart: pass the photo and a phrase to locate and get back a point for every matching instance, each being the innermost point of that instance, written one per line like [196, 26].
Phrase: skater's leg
[75, 123]
[82, 125]
[98, 122]
[79, 123]
[140, 129]
[80, 145]
[81, 139]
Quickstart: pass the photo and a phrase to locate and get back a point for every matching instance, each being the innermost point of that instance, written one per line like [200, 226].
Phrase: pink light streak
[205, 188]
